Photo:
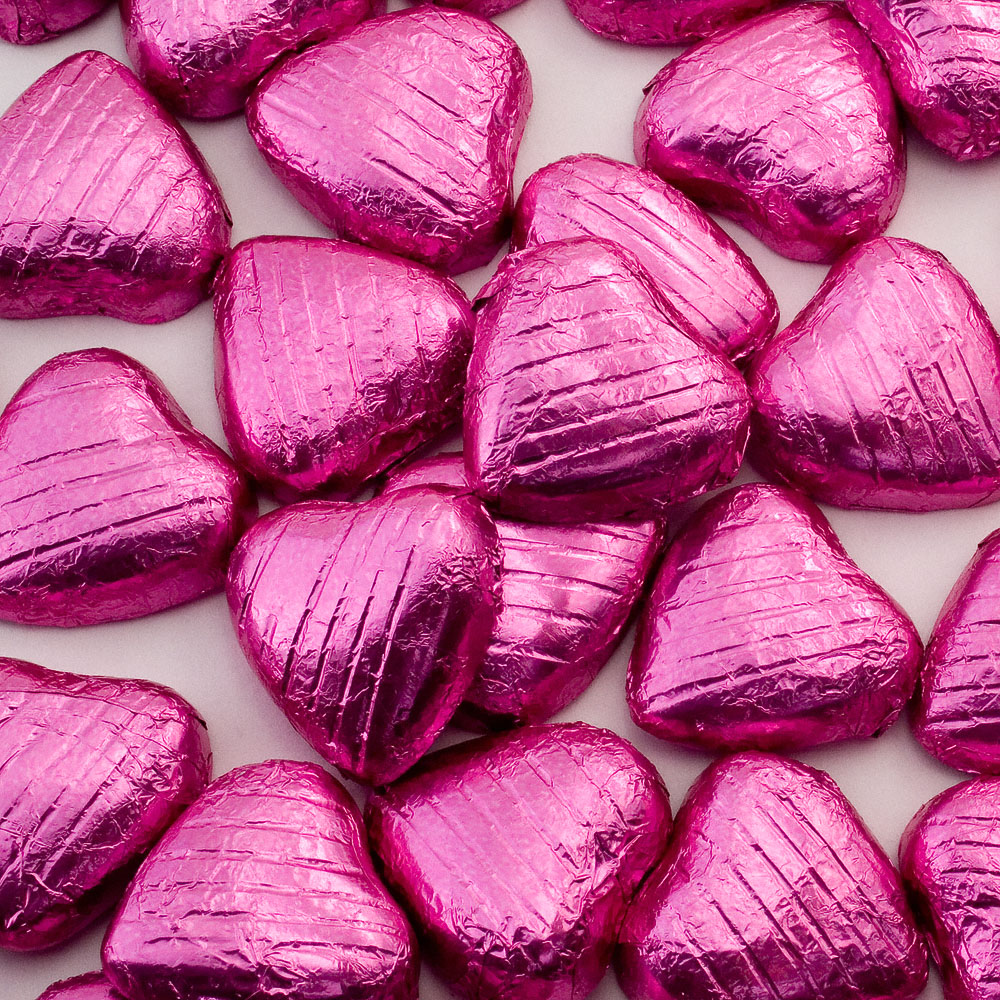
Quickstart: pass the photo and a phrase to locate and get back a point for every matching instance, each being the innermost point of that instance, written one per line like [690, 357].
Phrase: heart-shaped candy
[884, 392]
[366, 622]
[944, 60]
[761, 632]
[263, 889]
[518, 854]
[112, 505]
[92, 771]
[589, 396]
[566, 594]
[25, 22]
[334, 361]
[484, 8]
[402, 133]
[90, 986]
[786, 124]
[106, 206]
[771, 887]
[694, 263]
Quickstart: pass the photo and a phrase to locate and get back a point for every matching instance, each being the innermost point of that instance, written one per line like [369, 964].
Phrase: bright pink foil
[944, 60]
[771, 887]
[695, 264]
[786, 124]
[566, 594]
[426, 108]
[589, 396]
[112, 505]
[334, 361]
[762, 633]
[92, 771]
[90, 986]
[366, 622]
[884, 392]
[484, 8]
[25, 22]
[106, 206]
[518, 854]
[263, 889]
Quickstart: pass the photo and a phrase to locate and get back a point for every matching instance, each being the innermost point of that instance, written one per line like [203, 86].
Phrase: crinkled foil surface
[25, 22]
[90, 986]
[484, 8]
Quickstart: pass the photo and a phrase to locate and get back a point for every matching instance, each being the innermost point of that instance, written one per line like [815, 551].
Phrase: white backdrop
[586, 94]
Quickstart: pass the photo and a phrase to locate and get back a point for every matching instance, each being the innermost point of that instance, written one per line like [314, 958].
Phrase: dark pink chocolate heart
[92, 771]
[90, 986]
[25, 22]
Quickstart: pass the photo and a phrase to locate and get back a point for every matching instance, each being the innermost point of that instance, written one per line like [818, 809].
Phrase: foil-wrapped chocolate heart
[771, 887]
[693, 261]
[944, 60]
[402, 133]
[112, 505]
[334, 361]
[786, 124]
[589, 396]
[762, 633]
[106, 205]
[93, 770]
[518, 854]
[484, 8]
[566, 594]
[264, 888]
[25, 22]
[90, 986]
[367, 622]
[884, 392]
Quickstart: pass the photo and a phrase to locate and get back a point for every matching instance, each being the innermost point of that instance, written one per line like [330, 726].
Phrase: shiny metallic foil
[334, 361]
[264, 888]
[366, 622]
[762, 633]
[771, 887]
[786, 124]
[518, 854]
[589, 396]
[567, 592]
[944, 60]
[91, 986]
[884, 392]
[94, 769]
[25, 22]
[427, 107]
[112, 505]
[106, 206]
[484, 8]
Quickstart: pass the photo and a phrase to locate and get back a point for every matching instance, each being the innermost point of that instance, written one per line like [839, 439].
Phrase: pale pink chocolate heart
[106, 206]
[25, 22]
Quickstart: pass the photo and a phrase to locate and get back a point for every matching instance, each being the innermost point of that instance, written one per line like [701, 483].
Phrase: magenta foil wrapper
[944, 60]
[786, 124]
[106, 206]
[518, 854]
[693, 262]
[484, 8]
[589, 396]
[90, 986]
[264, 888]
[884, 392]
[771, 887]
[334, 361]
[566, 595]
[93, 770]
[367, 622]
[203, 59]
[112, 505]
[25, 22]
[762, 633]
[428, 107]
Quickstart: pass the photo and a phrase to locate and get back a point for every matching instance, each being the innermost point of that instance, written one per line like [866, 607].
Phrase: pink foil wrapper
[484, 8]
[203, 59]
[366, 622]
[334, 361]
[566, 594]
[694, 263]
[884, 392]
[106, 205]
[26, 22]
[427, 107]
[589, 396]
[90, 986]
[264, 888]
[944, 60]
[786, 124]
[762, 633]
[771, 887]
[112, 505]
[93, 770]
[518, 854]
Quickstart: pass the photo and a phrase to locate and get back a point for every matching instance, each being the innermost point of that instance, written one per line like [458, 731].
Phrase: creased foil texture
[25, 22]
[90, 986]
